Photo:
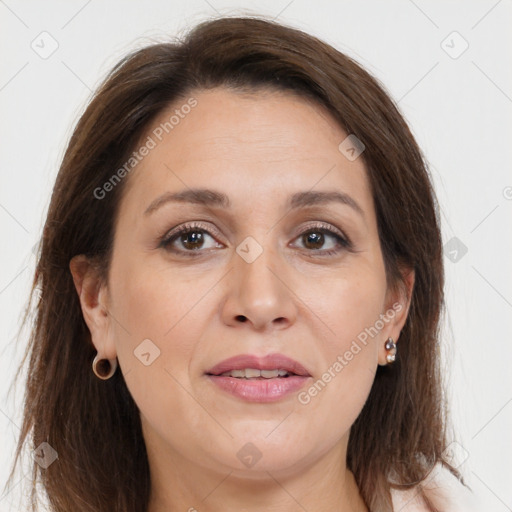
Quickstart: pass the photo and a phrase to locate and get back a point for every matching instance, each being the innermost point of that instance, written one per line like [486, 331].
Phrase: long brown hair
[94, 425]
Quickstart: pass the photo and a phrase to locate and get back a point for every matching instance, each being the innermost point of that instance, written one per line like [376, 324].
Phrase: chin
[258, 453]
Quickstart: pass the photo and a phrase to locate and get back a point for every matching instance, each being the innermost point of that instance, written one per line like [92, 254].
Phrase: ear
[93, 296]
[398, 302]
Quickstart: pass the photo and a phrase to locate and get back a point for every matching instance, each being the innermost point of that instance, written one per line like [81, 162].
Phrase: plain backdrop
[446, 63]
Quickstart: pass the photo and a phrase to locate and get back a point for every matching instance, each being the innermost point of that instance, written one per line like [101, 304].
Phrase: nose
[258, 294]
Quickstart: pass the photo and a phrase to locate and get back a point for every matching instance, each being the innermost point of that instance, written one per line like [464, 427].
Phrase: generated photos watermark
[342, 361]
[151, 142]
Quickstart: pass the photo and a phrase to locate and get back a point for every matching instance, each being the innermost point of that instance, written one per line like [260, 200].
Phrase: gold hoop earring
[104, 368]
[391, 349]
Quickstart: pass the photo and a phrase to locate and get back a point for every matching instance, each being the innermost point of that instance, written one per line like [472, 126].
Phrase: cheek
[157, 319]
[162, 323]
[153, 300]
[351, 308]
[349, 352]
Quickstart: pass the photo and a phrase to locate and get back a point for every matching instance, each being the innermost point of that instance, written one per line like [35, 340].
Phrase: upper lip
[268, 362]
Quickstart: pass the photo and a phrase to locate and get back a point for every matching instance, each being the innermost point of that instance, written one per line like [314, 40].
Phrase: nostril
[242, 318]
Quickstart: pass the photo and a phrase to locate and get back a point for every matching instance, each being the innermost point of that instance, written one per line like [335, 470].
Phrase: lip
[259, 390]
[268, 362]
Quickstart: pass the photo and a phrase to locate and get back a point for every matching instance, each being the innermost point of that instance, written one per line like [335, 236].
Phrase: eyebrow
[214, 198]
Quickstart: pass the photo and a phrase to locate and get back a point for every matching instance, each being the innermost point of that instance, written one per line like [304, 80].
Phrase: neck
[325, 485]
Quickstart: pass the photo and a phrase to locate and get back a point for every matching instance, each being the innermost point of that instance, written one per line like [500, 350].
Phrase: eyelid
[323, 225]
[343, 241]
[210, 228]
[199, 225]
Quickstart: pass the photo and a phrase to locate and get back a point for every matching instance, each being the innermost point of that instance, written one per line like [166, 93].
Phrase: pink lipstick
[259, 379]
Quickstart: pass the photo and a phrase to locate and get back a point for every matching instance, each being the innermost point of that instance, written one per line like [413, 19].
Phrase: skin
[258, 149]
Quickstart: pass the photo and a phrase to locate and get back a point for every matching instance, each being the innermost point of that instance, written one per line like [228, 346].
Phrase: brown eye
[192, 240]
[189, 239]
[313, 239]
[316, 238]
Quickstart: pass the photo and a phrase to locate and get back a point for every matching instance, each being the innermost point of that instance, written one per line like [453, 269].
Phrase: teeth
[235, 373]
[251, 373]
[269, 374]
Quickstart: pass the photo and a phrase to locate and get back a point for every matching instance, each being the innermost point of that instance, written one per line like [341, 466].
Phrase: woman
[243, 242]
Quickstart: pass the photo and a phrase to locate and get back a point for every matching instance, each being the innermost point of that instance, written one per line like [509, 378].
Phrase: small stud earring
[391, 348]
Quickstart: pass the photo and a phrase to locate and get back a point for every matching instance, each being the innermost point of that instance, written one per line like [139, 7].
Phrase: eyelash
[168, 239]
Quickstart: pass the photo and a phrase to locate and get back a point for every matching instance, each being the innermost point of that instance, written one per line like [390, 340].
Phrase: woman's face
[278, 271]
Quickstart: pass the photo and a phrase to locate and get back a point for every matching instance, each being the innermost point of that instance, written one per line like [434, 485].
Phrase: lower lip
[260, 390]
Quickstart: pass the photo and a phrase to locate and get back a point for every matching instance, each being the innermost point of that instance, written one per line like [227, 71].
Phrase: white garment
[442, 488]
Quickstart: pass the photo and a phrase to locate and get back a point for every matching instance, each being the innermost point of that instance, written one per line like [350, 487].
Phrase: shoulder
[442, 488]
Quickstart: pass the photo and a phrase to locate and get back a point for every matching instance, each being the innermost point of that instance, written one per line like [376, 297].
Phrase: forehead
[250, 146]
